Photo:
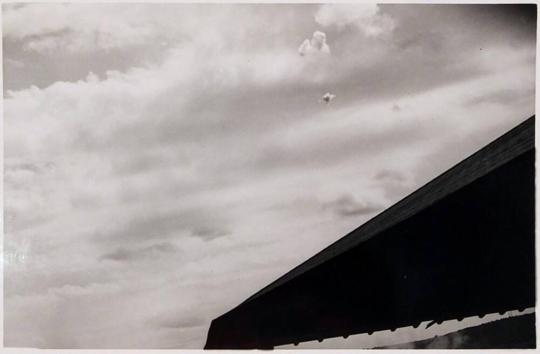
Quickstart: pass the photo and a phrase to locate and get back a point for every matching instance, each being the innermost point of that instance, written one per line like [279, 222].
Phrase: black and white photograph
[273, 176]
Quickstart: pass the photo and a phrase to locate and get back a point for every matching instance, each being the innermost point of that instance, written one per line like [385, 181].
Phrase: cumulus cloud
[26, 182]
[89, 28]
[317, 44]
[366, 17]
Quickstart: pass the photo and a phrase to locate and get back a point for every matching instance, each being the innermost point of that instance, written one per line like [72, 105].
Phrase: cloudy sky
[165, 162]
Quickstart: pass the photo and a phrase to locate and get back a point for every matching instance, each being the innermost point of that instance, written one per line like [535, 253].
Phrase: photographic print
[269, 176]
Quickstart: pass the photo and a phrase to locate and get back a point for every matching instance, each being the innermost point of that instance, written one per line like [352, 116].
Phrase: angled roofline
[503, 149]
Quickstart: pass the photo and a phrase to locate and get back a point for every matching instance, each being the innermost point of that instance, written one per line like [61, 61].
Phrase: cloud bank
[178, 178]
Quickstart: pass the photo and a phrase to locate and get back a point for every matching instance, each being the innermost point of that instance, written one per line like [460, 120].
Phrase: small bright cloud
[366, 17]
[317, 44]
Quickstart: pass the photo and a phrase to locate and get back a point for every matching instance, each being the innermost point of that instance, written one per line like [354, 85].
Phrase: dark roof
[505, 148]
[462, 245]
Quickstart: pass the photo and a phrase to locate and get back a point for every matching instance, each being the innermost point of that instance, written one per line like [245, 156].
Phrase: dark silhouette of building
[460, 246]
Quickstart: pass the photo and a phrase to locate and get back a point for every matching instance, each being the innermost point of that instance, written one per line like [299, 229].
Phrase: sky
[163, 162]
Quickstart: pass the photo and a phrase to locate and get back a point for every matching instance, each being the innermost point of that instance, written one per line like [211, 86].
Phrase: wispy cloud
[178, 321]
[127, 254]
[209, 233]
[347, 206]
